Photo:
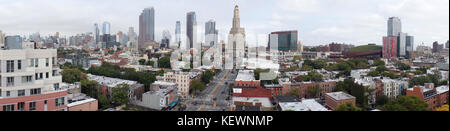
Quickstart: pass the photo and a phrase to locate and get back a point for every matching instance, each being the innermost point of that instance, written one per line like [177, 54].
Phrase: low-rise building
[247, 91]
[107, 84]
[333, 100]
[304, 105]
[90, 104]
[161, 96]
[435, 97]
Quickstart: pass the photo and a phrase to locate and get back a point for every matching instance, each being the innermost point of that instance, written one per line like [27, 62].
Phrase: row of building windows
[36, 91]
[32, 105]
[28, 79]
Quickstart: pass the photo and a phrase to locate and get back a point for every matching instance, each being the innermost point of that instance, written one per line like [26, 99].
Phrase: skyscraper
[2, 39]
[178, 33]
[191, 29]
[211, 34]
[401, 50]
[106, 28]
[394, 26]
[235, 49]
[409, 47]
[165, 41]
[147, 25]
[96, 33]
[283, 41]
[390, 47]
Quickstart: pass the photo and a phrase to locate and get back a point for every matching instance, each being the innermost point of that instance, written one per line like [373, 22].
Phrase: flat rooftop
[340, 95]
[245, 75]
[305, 105]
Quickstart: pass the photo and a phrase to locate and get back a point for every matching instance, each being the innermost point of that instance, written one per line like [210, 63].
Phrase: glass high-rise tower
[147, 25]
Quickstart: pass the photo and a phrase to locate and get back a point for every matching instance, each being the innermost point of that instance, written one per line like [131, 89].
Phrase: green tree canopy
[378, 62]
[164, 62]
[402, 66]
[313, 76]
[406, 103]
[119, 94]
[348, 107]
[72, 75]
[197, 86]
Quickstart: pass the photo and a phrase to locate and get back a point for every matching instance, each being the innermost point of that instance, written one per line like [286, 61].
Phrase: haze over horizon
[319, 22]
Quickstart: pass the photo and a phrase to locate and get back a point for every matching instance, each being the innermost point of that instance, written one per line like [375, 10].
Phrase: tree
[443, 108]
[103, 101]
[382, 100]
[90, 88]
[164, 62]
[160, 72]
[348, 107]
[207, 76]
[72, 75]
[150, 63]
[313, 76]
[314, 91]
[406, 103]
[381, 68]
[373, 73]
[378, 62]
[119, 95]
[402, 66]
[141, 61]
[306, 68]
[197, 86]
[389, 74]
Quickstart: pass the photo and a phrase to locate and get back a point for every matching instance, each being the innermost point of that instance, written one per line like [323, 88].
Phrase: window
[56, 86]
[8, 93]
[46, 75]
[8, 107]
[47, 62]
[10, 81]
[31, 63]
[19, 65]
[9, 66]
[32, 106]
[21, 106]
[21, 93]
[45, 102]
[59, 101]
[41, 75]
[53, 61]
[36, 76]
[1, 92]
[36, 62]
[54, 73]
[35, 91]
[27, 79]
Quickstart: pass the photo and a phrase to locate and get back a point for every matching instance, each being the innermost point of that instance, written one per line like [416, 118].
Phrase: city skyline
[427, 20]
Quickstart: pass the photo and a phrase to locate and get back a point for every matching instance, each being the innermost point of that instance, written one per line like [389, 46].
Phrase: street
[215, 93]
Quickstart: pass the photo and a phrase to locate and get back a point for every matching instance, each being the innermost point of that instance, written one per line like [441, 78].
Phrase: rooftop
[340, 95]
[245, 75]
[110, 82]
[81, 102]
[305, 105]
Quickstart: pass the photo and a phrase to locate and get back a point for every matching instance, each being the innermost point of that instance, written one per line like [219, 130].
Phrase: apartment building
[182, 79]
[334, 99]
[30, 81]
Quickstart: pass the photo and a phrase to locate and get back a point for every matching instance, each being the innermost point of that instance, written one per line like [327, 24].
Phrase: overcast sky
[356, 22]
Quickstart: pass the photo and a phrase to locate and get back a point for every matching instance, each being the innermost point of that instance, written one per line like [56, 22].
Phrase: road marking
[214, 92]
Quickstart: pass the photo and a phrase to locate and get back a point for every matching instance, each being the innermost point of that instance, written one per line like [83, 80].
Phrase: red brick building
[333, 100]
[435, 97]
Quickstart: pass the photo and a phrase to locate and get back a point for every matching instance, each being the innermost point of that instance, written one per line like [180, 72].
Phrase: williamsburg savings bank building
[30, 80]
